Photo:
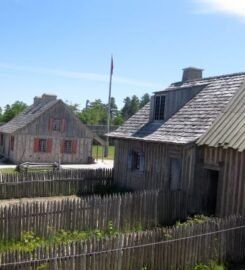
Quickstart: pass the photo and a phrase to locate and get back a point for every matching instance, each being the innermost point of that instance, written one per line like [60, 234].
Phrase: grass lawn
[98, 151]
[7, 170]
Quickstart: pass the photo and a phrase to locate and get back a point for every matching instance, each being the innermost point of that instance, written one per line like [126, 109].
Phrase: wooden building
[223, 159]
[156, 148]
[47, 131]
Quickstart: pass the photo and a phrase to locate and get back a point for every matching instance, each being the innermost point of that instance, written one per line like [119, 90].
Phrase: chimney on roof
[47, 98]
[37, 100]
[191, 73]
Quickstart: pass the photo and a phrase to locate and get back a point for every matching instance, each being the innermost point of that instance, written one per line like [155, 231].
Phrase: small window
[159, 107]
[12, 143]
[67, 146]
[175, 174]
[57, 124]
[43, 145]
[136, 160]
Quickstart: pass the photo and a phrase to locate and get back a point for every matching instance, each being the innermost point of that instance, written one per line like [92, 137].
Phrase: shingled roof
[228, 131]
[192, 120]
[28, 115]
[40, 106]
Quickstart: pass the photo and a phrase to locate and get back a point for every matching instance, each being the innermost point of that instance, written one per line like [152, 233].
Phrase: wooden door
[212, 189]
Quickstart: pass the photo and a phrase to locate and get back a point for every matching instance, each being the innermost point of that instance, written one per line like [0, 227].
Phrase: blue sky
[64, 47]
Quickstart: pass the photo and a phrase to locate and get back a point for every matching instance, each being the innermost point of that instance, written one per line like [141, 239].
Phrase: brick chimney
[191, 73]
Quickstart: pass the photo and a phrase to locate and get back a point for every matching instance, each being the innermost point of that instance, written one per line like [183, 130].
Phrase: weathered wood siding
[177, 99]
[5, 148]
[59, 111]
[157, 163]
[231, 186]
[24, 139]
[24, 150]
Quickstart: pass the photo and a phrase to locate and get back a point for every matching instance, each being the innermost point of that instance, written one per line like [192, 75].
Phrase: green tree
[94, 114]
[118, 120]
[144, 100]
[131, 106]
[135, 105]
[126, 108]
[13, 110]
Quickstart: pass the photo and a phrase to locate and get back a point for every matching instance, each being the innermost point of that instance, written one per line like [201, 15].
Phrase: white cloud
[81, 76]
[231, 7]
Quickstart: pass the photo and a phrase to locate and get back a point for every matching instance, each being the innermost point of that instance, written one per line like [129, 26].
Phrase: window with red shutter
[69, 146]
[42, 145]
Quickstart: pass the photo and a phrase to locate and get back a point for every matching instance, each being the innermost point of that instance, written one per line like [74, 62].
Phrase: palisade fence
[125, 211]
[158, 249]
[43, 184]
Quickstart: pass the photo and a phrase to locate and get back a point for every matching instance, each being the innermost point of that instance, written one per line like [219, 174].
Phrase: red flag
[112, 66]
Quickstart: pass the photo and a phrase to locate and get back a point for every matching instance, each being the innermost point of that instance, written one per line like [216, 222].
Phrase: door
[212, 188]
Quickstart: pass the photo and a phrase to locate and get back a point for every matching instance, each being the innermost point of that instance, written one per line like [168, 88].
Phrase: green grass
[8, 170]
[98, 151]
[31, 169]
[30, 241]
[210, 266]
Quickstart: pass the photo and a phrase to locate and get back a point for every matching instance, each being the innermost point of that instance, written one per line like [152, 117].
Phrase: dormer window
[159, 107]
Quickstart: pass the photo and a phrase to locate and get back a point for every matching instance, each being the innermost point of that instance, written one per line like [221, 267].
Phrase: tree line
[94, 113]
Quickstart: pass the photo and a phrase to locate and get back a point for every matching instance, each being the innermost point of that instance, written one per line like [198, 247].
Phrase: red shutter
[74, 146]
[50, 124]
[36, 145]
[49, 142]
[63, 125]
[62, 146]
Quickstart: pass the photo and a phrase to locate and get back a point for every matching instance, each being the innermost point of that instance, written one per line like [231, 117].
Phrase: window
[175, 174]
[159, 107]
[12, 143]
[56, 124]
[136, 160]
[42, 145]
[67, 147]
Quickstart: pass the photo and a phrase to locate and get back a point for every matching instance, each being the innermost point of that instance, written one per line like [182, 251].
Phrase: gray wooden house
[223, 148]
[47, 131]
[156, 148]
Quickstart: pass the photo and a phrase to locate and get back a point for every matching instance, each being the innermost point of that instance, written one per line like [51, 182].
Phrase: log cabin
[157, 147]
[47, 131]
